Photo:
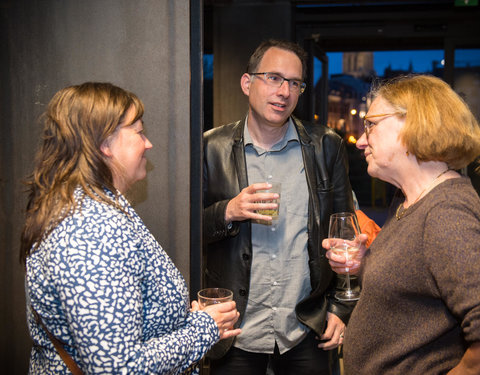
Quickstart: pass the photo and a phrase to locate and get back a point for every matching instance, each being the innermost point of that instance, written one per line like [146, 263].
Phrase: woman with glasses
[419, 311]
[103, 296]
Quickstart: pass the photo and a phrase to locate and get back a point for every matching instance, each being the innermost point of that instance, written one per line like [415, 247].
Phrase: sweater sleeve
[452, 252]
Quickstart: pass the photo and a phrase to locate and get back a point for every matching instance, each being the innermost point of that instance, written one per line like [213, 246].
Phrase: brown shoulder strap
[69, 361]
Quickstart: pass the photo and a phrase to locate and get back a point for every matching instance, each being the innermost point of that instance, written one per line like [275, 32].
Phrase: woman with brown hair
[97, 282]
[419, 309]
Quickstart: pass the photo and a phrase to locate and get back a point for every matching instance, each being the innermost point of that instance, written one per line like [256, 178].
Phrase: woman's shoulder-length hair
[77, 121]
[439, 125]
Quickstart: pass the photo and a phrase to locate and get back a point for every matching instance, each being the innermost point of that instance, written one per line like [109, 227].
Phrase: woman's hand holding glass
[344, 233]
[342, 264]
[225, 316]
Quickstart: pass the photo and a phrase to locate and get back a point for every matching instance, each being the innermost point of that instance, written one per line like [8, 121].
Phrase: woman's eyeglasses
[367, 124]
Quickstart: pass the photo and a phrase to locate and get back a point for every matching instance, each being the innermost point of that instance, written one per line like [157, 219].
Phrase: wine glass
[343, 233]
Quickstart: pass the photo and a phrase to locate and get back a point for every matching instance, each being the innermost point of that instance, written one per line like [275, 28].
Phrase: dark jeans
[304, 359]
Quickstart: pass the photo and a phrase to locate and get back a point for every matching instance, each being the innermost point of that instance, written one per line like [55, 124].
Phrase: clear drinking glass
[343, 233]
[211, 296]
[273, 212]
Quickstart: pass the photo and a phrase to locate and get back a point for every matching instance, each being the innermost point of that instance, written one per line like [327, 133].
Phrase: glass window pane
[401, 62]
[467, 78]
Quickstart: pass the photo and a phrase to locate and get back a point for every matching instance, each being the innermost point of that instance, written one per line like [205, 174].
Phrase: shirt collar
[290, 135]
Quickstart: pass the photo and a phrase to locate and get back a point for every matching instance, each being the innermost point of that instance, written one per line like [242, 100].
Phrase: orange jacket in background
[367, 226]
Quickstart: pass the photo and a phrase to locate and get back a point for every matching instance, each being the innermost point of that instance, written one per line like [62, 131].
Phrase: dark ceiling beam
[388, 27]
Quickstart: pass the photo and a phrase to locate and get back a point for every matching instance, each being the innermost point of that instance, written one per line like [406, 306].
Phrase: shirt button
[245, 257]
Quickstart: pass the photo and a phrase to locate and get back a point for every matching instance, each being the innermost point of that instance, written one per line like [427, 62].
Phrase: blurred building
[358, 64]
[347, 94]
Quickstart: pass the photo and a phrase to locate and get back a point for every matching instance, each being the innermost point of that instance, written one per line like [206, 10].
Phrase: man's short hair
[257, 55]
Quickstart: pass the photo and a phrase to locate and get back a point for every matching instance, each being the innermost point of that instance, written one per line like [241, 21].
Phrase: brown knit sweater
[420, 303]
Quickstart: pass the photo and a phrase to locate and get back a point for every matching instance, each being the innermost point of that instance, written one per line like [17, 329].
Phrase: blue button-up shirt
[280, 276]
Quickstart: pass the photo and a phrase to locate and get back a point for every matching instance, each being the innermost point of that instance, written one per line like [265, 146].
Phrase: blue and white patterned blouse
[104, 286]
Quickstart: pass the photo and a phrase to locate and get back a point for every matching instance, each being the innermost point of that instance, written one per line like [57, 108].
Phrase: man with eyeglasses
[281, 280]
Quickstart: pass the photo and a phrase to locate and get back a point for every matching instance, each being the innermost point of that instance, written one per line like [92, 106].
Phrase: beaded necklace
[399, 214]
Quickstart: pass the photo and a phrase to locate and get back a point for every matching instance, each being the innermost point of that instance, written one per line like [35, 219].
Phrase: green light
[466, 3]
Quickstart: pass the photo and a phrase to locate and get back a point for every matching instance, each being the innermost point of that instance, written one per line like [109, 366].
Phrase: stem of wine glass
[349, 289]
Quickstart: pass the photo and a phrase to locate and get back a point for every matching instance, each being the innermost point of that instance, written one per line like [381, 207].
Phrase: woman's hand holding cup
[218, 303]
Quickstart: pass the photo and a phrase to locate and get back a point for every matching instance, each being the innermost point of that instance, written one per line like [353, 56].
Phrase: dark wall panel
[46, 45]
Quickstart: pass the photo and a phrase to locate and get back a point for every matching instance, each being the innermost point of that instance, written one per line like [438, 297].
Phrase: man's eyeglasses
[276, 80]
[367, 124]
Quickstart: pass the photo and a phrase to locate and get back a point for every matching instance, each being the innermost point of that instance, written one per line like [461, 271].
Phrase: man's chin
[278, 119]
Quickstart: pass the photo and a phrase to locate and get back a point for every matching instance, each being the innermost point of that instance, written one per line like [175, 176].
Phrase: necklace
[399, 214]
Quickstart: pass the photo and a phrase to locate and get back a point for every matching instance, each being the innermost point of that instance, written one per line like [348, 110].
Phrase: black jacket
[228, 252]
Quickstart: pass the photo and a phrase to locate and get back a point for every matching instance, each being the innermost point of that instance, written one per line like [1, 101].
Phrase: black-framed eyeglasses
[276, 80]
[368, 125]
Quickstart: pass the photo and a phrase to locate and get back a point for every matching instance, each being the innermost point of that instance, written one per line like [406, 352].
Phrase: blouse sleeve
[104, 292]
